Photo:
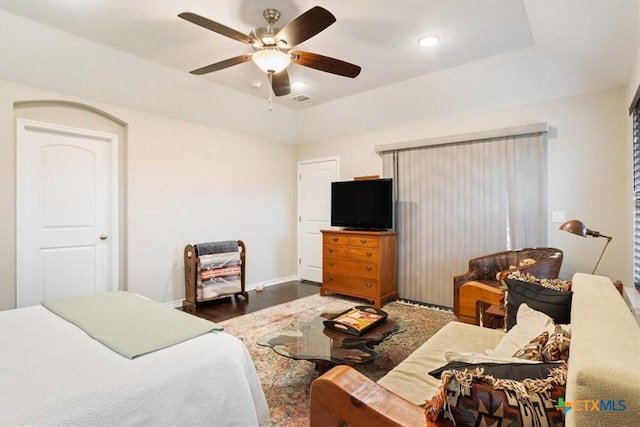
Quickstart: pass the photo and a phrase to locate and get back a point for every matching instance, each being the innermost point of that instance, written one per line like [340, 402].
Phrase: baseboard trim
[249, 287]
[254, 286]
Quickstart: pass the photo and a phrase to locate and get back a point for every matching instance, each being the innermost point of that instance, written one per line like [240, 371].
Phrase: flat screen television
[362, 204]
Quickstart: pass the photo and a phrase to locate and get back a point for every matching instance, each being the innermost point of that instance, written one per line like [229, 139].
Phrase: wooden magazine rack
[191, 269]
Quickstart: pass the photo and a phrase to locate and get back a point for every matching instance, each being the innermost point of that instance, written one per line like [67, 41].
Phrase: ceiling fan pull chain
[269, 100]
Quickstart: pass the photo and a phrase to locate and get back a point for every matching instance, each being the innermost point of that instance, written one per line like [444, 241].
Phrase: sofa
[543, 263]
[603, 365]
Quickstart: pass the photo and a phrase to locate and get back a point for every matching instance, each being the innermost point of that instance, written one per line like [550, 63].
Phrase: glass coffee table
[308, 339]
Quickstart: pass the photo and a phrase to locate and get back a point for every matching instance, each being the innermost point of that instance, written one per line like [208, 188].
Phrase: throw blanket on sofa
[129, 324]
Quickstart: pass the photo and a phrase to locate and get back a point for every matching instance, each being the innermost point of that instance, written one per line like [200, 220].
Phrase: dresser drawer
[364, 241]
[351, 285]
[335, 239]
[364, 254]
[351, 268]
[348, 252]
[335, 252]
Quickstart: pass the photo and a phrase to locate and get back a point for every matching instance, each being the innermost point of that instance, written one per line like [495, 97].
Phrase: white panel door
[314, 213]
[65, 212]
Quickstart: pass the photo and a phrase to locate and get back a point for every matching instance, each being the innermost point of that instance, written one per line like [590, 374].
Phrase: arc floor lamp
[577, 227]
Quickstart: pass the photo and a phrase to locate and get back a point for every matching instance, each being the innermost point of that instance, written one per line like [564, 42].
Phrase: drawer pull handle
[369, 285]
[335, 239]
[369, 254]
[331, 279]
[363, 241]
[369, 268]
[330, 263]
[330, 251]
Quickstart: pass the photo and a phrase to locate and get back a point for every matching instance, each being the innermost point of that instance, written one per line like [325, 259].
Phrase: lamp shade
[575, 227]
[271, 61]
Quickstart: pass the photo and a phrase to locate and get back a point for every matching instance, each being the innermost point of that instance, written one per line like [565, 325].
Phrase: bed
[54, 373]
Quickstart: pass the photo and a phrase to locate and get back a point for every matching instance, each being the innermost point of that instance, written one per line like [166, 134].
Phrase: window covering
[486, 135]
[636, 190]
[459, 200]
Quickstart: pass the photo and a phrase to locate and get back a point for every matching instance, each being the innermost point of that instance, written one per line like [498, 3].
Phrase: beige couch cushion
[604, 357]
[410, 380]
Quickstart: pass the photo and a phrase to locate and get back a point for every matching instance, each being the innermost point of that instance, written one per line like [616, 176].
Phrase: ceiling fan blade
[306, 26]
[222, 65]
[280, 83]
[216, 27]
[325, 63]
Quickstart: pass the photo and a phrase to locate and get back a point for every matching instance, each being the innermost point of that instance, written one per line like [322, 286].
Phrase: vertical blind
[461, 200]
[636, 190]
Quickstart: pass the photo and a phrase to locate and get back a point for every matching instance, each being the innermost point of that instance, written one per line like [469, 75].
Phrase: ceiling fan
[273, 46]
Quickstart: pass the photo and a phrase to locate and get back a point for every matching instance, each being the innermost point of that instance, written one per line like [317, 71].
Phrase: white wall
[588, 167]
[187, 183]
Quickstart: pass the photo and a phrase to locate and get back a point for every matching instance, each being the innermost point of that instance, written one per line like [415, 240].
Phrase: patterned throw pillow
[557, 346]
[470, 398]
[533, 350]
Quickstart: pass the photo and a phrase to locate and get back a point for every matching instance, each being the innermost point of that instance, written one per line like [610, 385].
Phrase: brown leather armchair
[543, 263]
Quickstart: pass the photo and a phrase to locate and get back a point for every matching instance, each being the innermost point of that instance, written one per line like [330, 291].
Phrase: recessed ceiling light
[256, 84]
[429, 40]
[298, 84]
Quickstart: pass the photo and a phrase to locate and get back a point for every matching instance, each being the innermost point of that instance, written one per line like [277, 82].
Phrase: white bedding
[52, 373]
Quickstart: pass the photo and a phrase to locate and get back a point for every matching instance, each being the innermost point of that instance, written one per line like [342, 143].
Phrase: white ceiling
[598, 37]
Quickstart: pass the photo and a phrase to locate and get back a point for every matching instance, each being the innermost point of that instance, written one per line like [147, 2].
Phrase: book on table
[357, 320]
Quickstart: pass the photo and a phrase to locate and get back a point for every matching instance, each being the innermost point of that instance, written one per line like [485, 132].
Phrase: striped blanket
[219, 274]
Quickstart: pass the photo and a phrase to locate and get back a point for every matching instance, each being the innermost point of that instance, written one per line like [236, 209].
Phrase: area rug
[286, 382]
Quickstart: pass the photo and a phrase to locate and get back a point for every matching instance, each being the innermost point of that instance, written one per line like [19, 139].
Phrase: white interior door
[66, 205]
[314, 213]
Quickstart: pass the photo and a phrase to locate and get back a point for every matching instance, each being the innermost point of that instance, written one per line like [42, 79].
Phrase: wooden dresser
[360, 264]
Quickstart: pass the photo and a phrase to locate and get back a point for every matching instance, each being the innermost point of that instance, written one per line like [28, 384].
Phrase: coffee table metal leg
[323, 366]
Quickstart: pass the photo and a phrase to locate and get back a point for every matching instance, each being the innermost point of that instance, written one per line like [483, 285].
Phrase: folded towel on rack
[216, 247]
[220, 272]
[207, 262]
[220, 281]
[217, 261]
[219, 287]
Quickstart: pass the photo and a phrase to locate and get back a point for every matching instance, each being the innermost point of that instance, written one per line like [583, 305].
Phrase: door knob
[103, 237]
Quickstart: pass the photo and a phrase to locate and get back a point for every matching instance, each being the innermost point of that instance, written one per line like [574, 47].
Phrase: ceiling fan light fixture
[264, 37]
[429, 40]
[271, 61]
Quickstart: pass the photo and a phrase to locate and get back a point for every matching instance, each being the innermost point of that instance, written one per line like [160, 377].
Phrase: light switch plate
[558, 216]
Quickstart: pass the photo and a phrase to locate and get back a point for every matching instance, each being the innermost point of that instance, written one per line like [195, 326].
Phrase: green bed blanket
[129, 324]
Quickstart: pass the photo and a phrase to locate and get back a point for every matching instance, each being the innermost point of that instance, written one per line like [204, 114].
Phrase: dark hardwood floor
[227, 308]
